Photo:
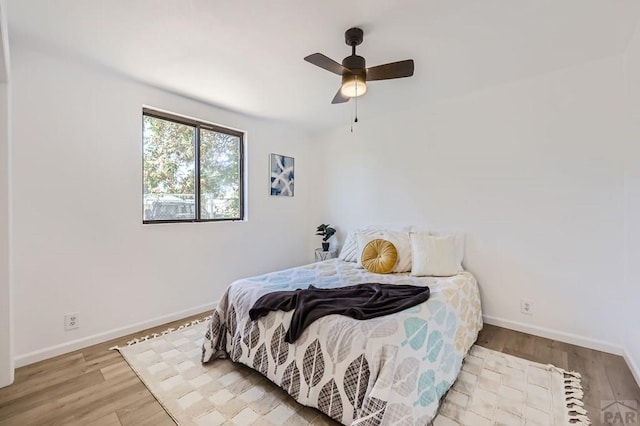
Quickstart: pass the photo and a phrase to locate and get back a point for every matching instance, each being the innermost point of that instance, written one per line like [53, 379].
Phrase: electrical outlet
[72, 321]
[526, 306]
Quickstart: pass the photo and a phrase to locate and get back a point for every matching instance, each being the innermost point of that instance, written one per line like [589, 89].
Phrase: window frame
[197, 125]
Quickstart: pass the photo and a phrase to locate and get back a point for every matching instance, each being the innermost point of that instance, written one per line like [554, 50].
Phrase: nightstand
[326, 255]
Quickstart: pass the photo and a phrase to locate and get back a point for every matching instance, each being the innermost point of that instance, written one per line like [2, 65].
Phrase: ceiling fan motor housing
[355, 64]
[353, 36]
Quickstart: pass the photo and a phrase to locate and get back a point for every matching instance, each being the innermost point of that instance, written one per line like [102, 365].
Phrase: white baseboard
[574, 339]
[63, 348]
[632, 366]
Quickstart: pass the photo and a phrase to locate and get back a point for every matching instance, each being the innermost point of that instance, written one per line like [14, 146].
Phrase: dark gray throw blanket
[362, 301]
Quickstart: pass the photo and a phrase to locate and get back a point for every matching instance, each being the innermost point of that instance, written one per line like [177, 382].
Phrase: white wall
[6, 339]
[531, 171]
[80, 245]
[632, 210]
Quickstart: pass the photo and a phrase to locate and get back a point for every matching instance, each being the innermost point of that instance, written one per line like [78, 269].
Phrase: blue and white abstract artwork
[282, 174]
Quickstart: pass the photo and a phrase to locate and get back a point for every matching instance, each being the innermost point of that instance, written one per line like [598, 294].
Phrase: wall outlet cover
[526, 306]
[72, 321]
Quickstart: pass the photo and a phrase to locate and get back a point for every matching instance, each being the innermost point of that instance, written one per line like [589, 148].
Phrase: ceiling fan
[353, 70]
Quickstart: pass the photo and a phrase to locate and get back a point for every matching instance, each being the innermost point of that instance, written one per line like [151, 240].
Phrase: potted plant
[326, 232]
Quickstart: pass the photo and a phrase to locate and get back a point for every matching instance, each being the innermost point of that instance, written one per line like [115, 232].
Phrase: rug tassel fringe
[573, 373]
[580, 420]
[579, 410]
[575, 402]
[573, 397]
[163, 333]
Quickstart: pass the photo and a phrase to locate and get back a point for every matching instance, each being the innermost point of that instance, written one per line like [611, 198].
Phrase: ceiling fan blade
[325, 62]
[339, 98]
[392, 70]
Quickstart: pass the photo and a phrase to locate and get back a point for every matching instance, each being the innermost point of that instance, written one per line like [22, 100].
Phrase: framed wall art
[282, 175]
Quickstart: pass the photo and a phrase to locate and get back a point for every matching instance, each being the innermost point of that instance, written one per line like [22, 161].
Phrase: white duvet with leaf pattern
[390, 370]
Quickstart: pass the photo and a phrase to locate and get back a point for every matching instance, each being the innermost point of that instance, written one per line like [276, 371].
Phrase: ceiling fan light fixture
[353, 86]
[354, 70]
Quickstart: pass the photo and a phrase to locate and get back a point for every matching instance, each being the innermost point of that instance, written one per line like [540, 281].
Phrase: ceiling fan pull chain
[356, 102]
[351, 121]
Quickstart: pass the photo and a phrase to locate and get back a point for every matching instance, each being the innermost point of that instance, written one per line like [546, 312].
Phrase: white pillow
[433, 255]
[349, 252]
[459, 237]
[362, 239]
[459, 241]
[402, 242]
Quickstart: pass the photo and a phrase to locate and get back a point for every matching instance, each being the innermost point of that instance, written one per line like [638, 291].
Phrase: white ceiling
[247, 55]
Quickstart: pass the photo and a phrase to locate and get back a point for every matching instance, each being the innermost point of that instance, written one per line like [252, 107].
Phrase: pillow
[350, 252]
[379, 256]
[459, 237]
[362, 239]
[402, 243]
[434, 255]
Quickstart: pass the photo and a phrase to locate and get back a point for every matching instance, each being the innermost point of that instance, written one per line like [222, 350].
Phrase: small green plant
[325, 231]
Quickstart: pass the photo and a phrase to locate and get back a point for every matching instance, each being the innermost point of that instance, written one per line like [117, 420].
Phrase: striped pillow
[349, 252]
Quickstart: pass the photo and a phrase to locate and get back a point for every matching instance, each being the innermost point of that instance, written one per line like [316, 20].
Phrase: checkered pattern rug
[492, 388]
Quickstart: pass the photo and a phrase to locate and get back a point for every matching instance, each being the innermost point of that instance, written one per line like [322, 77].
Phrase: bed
[382, 371]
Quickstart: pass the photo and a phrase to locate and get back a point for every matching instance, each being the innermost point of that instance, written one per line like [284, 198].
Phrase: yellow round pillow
[379, 256]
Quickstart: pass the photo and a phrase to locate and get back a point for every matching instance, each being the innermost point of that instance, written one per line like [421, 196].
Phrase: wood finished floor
[95, 386]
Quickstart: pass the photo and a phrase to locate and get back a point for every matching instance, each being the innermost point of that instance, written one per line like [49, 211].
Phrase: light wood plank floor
[96, 386]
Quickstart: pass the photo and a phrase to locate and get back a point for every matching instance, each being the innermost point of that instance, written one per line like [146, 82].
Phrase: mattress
[382, 371]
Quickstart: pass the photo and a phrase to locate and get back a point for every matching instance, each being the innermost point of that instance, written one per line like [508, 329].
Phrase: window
[192, 171]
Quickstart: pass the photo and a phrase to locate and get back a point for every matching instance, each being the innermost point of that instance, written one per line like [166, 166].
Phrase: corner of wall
[633, 365]
[6, 291]
[632, 204]
[4, 43]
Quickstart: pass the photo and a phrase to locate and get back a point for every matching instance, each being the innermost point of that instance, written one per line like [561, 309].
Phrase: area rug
[492, 388]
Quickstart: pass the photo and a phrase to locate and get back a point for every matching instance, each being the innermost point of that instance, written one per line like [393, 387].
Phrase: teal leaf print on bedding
[413, 310]
[279, 280]
[452, 321]
[438, 311]
[426, 389]
[457, 365]
[305, 281]
[448, 358]
[416, 331]
[434, 345]
[276, 286]
[442, 388]
[326, 281]
[257, 279]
